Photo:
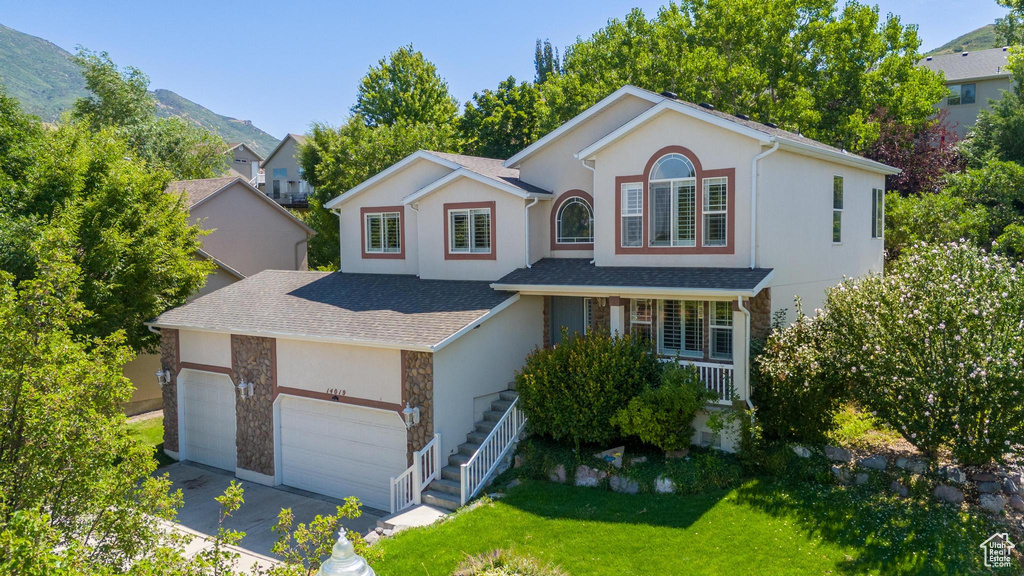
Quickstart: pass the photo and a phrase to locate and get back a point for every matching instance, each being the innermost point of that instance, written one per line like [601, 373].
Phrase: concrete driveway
[200, 484]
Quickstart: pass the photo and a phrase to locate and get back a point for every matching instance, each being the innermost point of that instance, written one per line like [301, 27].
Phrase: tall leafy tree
[404, 86]
[499, 123]
[1010, 28]
[925, 154]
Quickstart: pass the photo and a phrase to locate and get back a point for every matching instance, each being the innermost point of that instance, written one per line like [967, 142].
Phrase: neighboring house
[248, 233]
[973, 78]
[643, 214]
[284, 179]
[245, 162]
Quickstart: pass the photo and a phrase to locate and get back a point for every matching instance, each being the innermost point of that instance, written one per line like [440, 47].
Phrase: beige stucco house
[248, 233]
[974, 79]
[285, 182]
[245, 162]
[643, 214]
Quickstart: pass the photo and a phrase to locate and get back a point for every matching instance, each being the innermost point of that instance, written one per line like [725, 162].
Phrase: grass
[858, 429]
[762, 527]
[150, 432]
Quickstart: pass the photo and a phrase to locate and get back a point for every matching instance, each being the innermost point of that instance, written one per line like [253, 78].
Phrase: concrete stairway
[445, 491]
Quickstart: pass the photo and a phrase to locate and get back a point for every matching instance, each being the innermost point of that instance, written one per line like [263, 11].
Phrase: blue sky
[286, 64]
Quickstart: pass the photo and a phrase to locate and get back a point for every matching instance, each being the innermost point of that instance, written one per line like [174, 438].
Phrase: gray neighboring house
[973, 78]
[285, 182]
[245, 162]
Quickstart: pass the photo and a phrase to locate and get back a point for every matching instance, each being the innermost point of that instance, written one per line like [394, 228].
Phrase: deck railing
[407, 488]
[719, 378]
[482, 464]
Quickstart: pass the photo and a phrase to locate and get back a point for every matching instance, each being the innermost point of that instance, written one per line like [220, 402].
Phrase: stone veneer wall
[169, 361]
[547, 321]
[602, 315]
[252, 360]
[760, 307]
[418, 386]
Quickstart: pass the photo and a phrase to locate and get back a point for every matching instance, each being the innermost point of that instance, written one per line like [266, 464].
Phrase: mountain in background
[44, 79]
[981, 39]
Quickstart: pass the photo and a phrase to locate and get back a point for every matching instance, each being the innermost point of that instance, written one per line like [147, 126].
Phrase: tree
[998, 133]
[545, 61]
[1010, 28]
[925, 154]
[405, 86]
[933, 218]
[499, 123]
[121, 101]
[999, 188]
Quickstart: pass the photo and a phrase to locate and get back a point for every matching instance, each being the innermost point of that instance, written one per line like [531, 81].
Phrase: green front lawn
[761, 528]
[151, 433]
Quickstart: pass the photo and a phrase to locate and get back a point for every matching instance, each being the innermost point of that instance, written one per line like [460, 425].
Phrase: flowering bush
[662, 416]
[935, 348]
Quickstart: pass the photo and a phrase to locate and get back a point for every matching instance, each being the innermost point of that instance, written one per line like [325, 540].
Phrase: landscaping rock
[373, 536]
[861, 479]
[841, 474]
[613, 456]
[837, 454]
[517, 461]
[947, 493]
[1017, 502]
[637, 460]
[1009, 487]
[624, 485]
[665, 485]
[801, 451]
[877, 462]
[677, 453]
[901, 490]
[984, 477]
[956, 475]
[989, 487]
[558, 474]
[917, 466]
[515, 482]
[901, 462]
[992, 502]
[589, 477]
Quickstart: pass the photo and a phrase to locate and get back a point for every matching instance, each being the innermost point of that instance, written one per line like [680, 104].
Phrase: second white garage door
[341, 450]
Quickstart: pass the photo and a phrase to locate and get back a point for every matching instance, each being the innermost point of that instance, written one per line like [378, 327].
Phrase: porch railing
[717, 377]
[478, 469]
[407, 488]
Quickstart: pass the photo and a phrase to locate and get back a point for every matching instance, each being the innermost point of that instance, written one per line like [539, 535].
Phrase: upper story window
[383, 233]
[632, 214]
[673, 190]
[574, 222]
[469, 231]
[961, 94]
[280, 173]
[716, 207]
[877, 212]
[837, 209]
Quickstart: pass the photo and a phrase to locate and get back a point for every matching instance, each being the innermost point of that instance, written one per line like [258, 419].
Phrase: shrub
[572, 391]
[662, 416]
[940, 217]
[505, 563]
[935, 348]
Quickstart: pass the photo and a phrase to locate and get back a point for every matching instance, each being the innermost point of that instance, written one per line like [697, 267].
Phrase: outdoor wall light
[411, 415]
[245, 390]
[163, 377]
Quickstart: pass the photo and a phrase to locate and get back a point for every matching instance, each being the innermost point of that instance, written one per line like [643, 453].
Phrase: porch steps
[445, 492]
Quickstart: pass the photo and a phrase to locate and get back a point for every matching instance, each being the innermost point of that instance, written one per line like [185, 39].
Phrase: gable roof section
[387, 173]
[233, 145]
[761, 132]
[298, 138]
[197, 192]
[487, 171]
[220, 263]
[970, 65]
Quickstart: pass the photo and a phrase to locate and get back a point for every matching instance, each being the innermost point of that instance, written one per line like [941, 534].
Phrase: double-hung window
[681, 331]
[383, 233]
[837, 209]
[716, 205]
[721, 330]
[632, 214]
[673, 190]
[641, 317]
[877, 213]
[469, 231]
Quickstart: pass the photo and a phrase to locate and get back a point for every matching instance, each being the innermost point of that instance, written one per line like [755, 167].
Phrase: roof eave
[467, 173]
[586, 290]
[837, 157]
[386, 173]
[296, 336]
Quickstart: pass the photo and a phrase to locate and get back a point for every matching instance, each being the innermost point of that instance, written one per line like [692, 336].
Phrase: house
[245, 162]
[973, 79]
[284, 180]
[248, 233]
[643, 214]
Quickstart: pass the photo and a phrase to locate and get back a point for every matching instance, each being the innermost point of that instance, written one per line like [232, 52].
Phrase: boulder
[992, 502]
[665, 485]
[901, 462]
[1017, 502]
[612, 456]
[589, 477]
[517, 461]
[917, 466]
[637, 460]
[557, 474]
[876, 462]
[624, 485]
[515, 482]
[861, 478]
[947, 493]
[956, 475]
[837, 454]
[841, 474]
[984, 477]
[898, 488]
[989, 487]
[801, 451]
[1010, 487]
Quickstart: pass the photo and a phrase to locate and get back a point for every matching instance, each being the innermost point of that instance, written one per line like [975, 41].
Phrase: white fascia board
[579, 118]
[476, 323]
[844, 158]
[645, 291]
[295, 336]
[465, 173]
[383, 174]
[666, 106]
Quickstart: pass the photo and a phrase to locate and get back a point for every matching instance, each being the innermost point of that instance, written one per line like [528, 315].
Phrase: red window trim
[493, 254]
[400, 255]
[701, 174]
[555, 244]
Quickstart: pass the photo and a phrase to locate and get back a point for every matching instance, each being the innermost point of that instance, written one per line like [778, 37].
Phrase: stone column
[418, 390]
[169, 361]
[253, 360]
[547, 321]
[760, 307]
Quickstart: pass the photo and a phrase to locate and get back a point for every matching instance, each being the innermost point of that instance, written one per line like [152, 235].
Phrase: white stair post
[344, 561]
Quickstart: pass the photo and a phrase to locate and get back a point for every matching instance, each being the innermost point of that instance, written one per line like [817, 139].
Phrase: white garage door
[341, 450]
[208, 412]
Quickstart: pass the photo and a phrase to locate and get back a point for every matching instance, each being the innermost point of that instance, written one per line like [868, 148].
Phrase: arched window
[673, 192]
[575, 222]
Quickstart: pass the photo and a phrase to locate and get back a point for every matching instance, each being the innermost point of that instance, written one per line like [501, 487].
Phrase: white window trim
[878, 214]
[471, 232]
[624, 212]
[649, 323]
[383, 233]
[832, 222]
[705, 212]
[559, 239]
[712, 327]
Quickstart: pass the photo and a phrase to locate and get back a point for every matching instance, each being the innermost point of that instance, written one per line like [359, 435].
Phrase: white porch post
[741, 349]
[617, 315]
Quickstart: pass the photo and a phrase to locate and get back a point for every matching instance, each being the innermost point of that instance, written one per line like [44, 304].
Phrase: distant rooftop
[970, 65]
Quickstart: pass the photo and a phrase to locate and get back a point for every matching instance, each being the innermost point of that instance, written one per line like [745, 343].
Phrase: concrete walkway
[200, 484]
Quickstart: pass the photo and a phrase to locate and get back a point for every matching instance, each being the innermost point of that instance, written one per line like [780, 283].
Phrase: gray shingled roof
[383, 309]
[968, 65]
[198, 190]
[491, 168]
[580, 272]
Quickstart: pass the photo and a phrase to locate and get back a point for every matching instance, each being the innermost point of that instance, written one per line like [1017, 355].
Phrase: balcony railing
[258, 180]
[719, 378]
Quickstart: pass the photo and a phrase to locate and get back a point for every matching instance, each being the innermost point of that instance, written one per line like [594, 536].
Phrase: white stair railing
[407, 488]
[478, 469]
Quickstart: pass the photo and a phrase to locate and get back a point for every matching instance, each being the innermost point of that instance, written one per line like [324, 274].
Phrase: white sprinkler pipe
[337, 212]
[527, 213]
[753, 203]
[746, 364]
